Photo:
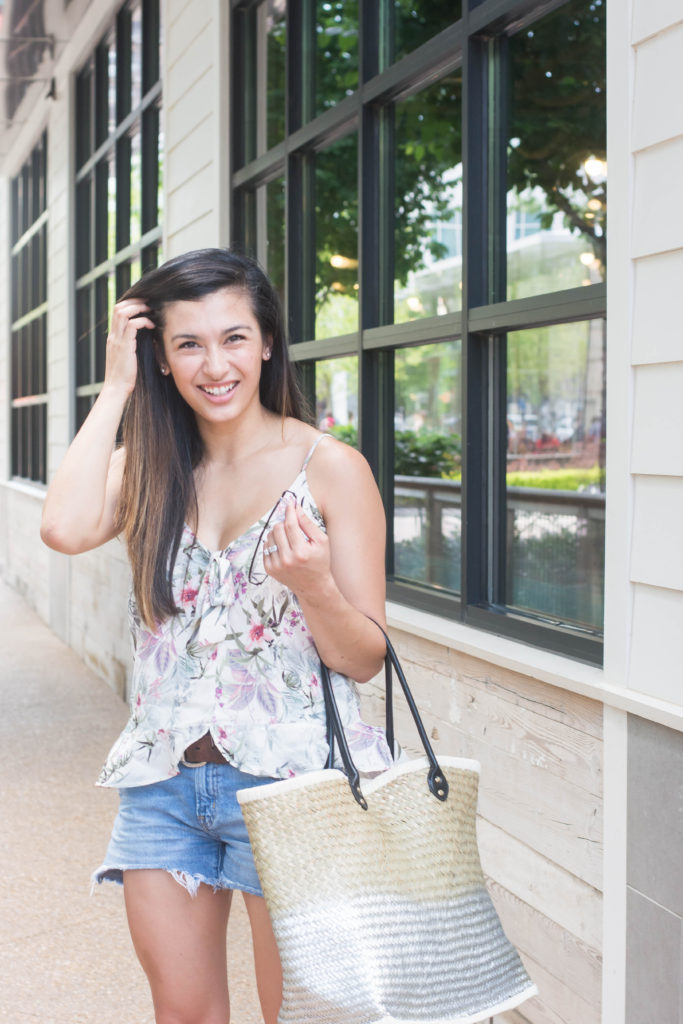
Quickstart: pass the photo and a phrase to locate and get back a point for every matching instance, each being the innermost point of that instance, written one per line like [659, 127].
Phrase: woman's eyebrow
[228, 330]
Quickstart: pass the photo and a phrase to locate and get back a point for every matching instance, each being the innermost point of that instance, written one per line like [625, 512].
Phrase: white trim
[586, 680]
[27, 488]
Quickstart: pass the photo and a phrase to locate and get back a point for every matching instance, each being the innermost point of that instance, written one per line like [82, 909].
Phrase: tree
[557, 116]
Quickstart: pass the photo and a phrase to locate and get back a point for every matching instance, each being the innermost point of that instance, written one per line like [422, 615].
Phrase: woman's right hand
[121, 362]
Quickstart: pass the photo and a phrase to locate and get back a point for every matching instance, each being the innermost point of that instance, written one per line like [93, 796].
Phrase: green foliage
[557, 84]
[428, 141]
[574, 479]
[557, 120]
[426, 454]
[348, 434]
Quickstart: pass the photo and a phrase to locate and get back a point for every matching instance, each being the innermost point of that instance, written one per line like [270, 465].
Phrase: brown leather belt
[204, 751]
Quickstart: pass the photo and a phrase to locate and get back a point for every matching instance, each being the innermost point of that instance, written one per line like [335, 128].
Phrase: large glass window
[428, 465]
[428, 202]
[556, 471]
[29, 317]
[443, 280]
[118, 180]
[556, 162]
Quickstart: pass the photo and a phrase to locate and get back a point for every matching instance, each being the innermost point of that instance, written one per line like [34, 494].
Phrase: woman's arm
[338, 577]
[80, 506]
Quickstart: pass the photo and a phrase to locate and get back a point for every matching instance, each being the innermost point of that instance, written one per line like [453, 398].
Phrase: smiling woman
[249, 567]
[216, 368]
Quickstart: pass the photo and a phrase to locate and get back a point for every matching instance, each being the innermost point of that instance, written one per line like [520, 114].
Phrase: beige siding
[195, 118]
[540, 806]
[657, 448]
[657, 651]
[657, 556]
[657, 322]
[658, 75]
[653, 16]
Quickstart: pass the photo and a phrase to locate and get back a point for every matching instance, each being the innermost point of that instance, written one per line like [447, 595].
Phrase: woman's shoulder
[337, 469]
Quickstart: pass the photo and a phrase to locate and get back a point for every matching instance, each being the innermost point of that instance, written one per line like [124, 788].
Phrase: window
[29, 317]
[426, 182]
[119, 150]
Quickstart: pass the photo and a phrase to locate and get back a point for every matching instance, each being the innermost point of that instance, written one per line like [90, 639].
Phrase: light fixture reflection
[340, 262]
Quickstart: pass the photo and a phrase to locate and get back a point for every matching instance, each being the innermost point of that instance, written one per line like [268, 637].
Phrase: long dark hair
[160, 434]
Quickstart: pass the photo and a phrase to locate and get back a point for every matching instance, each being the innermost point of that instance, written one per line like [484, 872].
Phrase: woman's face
[214, 350]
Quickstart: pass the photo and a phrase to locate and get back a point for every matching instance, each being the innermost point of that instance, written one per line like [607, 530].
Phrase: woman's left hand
[301, 559]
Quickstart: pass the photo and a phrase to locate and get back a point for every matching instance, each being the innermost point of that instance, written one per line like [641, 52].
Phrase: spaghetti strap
[313, 448]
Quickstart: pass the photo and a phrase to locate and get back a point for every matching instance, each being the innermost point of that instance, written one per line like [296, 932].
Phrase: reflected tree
[557, 117]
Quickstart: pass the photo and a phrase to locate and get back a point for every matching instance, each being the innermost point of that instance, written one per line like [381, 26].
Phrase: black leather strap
[436, 780]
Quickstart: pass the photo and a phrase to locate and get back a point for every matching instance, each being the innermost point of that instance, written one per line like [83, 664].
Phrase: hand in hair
[121, 364]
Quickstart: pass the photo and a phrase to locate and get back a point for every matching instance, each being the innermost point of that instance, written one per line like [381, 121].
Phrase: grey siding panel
[655, 813]
[654, 951]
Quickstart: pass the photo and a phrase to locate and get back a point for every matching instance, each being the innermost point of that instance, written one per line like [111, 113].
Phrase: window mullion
[497, 518]
[475, 151]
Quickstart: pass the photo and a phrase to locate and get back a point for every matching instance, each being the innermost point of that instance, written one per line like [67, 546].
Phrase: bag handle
[436, 780]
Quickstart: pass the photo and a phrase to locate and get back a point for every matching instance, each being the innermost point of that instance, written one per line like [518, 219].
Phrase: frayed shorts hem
[190, 882]
[190, 825]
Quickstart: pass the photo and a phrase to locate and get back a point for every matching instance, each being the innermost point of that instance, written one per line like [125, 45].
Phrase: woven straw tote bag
[378, 903]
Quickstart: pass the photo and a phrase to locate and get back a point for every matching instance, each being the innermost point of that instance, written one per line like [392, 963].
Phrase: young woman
[257, 548]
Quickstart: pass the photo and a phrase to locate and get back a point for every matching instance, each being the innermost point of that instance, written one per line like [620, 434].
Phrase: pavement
[65, 954]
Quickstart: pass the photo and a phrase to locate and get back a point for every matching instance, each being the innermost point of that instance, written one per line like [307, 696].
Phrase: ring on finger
[271, 550]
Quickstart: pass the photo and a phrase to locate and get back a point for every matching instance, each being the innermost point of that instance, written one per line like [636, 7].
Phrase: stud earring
[164, 370]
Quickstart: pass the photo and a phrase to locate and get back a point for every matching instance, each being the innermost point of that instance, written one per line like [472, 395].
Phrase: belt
[204, 751]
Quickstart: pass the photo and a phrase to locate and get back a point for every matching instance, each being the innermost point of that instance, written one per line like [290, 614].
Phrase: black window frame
[477, 44]
[29, 314]
[100, 140]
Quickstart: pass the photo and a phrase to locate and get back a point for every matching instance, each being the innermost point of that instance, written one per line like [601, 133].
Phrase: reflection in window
[416, 21]
[427, 464]
[556, 471]
[428, 202]
[336, 397]
[136, 57]
[135, 230]
[118, 195]
[272, 76]
[336, 227]
[336, 38]
[28, 344]
[557, 172]
[273, 196]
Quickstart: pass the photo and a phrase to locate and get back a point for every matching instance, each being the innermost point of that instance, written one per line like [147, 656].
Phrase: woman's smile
[218, 390]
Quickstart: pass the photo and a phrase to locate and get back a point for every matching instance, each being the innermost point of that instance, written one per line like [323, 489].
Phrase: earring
[266, 354]
[164, 370]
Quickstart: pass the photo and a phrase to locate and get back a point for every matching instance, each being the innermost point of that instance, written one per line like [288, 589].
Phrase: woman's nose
[215, 361]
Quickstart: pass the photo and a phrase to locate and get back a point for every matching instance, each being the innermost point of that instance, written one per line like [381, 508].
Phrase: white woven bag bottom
[381, 916]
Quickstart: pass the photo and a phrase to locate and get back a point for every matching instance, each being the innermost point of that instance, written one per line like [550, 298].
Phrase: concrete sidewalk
[66, 956]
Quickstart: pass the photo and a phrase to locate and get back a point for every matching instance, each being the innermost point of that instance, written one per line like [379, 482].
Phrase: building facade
[426, 183]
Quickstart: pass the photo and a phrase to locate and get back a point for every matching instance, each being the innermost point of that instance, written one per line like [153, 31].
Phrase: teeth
[222, 390]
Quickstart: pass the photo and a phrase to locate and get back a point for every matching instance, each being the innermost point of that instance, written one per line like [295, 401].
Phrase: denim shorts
[190, 825]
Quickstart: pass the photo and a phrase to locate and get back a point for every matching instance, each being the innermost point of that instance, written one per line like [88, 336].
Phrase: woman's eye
[235, 337]
[188, 344]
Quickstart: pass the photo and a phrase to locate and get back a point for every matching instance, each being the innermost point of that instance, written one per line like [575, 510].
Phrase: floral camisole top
[238, 661]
